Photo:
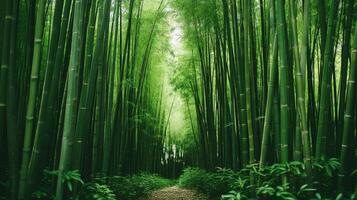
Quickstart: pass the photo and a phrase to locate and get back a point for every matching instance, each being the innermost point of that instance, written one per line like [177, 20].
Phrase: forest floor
[176, 193]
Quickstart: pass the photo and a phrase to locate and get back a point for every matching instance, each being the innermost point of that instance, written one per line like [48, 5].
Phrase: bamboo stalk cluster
[77, 93]
[273, 81]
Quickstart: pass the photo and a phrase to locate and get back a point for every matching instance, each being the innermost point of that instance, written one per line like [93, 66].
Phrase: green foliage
[133, 187]
[324, 174]
[69, 178]
[146, 183]
[195, 178]
[40, 194]
[104, 188]
[327, 167]
[97, 191]
[233, 195]
[253, 182]
[339, 196]
[212, 184]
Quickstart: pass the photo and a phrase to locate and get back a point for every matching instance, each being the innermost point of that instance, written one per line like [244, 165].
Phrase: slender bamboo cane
[324, 118]
[301, 87]
[39, 26]
[350, 112]
[283, 81]
[272, 86]
[70, 115]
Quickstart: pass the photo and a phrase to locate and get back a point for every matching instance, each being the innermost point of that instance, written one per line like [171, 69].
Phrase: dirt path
[176, 193]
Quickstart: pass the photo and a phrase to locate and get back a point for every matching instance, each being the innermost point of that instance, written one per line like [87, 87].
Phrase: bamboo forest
[178, 99]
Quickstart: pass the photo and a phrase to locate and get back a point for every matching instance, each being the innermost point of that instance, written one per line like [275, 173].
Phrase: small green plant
[305, 190]
[327, 167]
[69, 178]
[283, 192]
[40, 194]
[233, 195]
[266, 191]
[241, 183]
[97, 191]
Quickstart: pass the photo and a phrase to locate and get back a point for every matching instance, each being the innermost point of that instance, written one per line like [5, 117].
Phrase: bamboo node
[4, 66]
[260, 118]
[8, 17]
[284, 105]
[2, 105]
[29, 118]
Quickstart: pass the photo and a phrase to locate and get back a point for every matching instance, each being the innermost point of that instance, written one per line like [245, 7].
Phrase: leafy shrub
[133, 187]
[97, 191]
[254, 182]
[221, 181]
[325, 174]
[121, 186]
[196, 179]
[70, 179]
[145, 183]
[104, 188]
[213, 184]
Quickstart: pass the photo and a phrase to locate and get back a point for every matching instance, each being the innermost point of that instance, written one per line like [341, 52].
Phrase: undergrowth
[133, 187]
[105, 188]
[268, 183]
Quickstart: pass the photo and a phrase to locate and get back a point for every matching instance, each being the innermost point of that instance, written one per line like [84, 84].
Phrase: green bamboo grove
[95, 87]
[75, 91]
[271, 81]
